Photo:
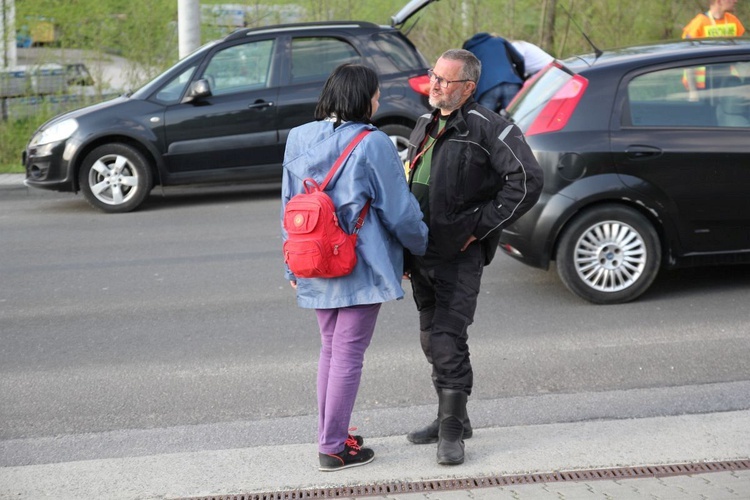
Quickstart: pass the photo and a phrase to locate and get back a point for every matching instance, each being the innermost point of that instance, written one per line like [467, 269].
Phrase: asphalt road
[172, 329]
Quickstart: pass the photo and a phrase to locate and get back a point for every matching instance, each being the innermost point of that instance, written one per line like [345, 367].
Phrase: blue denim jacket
[393, 222]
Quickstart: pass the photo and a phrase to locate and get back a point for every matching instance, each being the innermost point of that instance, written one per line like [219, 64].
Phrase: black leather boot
[451, 414]
[429, 434]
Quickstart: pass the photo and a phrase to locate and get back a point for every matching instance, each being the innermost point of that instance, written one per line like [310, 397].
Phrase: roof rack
[242, 32]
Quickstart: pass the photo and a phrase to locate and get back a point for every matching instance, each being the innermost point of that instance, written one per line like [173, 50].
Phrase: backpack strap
[341, 159]
[362, 215]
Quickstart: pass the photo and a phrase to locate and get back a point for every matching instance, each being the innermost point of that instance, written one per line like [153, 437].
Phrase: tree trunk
[547, 26]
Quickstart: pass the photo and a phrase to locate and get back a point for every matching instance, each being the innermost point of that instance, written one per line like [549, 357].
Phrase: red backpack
[316, 246]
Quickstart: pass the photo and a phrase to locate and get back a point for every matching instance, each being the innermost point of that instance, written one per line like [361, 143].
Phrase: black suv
[223, 113]
[639, 173]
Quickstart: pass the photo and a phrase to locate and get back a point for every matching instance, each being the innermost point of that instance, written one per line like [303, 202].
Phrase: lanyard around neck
[423, 149]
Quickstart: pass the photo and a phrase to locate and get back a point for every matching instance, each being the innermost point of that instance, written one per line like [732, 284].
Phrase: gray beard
[446, 104]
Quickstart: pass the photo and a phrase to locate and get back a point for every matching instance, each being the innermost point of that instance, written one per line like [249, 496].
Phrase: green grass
[14, 134]
[11, 169]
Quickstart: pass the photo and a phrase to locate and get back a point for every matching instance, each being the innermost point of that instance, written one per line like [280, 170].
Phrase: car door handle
[260, 105]
[638, 152]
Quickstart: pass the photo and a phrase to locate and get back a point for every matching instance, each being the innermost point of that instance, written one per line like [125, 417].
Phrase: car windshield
[532, 98]
[157, 82]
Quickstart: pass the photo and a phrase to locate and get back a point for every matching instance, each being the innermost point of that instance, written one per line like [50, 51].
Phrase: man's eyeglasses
[442, 81]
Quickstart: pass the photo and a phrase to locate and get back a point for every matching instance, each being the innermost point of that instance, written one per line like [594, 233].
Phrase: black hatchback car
[640, 173]
[222, 114]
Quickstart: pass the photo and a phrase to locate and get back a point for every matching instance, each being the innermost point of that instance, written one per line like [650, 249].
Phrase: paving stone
[730, 485]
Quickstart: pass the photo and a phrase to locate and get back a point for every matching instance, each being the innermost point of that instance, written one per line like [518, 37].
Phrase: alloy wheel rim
[113, 179]
[610, 256]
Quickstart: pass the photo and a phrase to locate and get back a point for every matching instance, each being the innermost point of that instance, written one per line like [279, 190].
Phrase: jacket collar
[457, 119]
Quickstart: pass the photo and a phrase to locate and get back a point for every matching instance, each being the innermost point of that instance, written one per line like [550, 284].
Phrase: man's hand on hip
[468, 242]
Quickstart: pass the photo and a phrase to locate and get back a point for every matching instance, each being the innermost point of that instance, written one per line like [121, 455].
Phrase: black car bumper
[46, 167]
[531, 239]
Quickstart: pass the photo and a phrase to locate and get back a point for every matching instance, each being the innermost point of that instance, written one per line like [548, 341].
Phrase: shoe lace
[351, 443]
[350, 435]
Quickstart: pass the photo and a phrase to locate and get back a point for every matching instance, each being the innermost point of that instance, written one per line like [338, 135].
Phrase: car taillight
[420, 84]
[560, 108]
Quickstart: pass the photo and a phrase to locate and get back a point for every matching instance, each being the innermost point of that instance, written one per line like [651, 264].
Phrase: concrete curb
[492, 451]
[12, 181]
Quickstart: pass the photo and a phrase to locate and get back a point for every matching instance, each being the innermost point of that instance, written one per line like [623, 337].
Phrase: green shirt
[420, 183]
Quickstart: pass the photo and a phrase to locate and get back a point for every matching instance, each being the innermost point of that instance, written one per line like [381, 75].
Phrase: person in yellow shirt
[717, 21]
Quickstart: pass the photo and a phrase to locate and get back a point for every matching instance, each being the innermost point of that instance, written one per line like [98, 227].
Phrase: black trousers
[446, 297]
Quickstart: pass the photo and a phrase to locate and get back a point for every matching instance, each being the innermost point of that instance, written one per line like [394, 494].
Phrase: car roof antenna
[597, 51]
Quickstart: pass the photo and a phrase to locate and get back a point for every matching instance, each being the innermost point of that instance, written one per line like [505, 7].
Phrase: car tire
[399, 135]
[115, 178]
[609, 255]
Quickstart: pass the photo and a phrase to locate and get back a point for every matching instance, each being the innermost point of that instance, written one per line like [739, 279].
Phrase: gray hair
[472, 67]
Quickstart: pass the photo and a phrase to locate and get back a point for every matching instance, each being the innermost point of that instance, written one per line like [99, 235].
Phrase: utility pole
[8, 55]
[188, 26]
[8, 33]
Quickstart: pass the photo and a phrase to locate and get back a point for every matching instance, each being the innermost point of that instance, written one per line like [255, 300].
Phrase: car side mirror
[198, 89]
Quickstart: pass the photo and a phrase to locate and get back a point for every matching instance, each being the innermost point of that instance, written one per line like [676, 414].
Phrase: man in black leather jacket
[473, 174]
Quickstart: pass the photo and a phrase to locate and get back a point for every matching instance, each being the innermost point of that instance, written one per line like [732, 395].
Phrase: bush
[14, 134]
[30, 114]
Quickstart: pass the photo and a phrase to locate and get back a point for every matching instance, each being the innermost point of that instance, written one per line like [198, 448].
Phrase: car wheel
[609, 255]
[115, 178]
[399, 135]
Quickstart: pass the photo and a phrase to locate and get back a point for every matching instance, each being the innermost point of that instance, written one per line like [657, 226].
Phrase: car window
[173, 90]
[733, 97]
[399, 52]
[662, 98]
[314, 58]
[240, 68]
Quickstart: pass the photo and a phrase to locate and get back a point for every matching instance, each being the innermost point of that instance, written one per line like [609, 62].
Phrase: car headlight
[56, 132]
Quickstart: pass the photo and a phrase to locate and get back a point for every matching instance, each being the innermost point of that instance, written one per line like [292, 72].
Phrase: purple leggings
[345, 334]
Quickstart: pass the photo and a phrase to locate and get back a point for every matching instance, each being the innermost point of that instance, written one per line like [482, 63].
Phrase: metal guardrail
[33, 80]
[28, 106]
[25, 89]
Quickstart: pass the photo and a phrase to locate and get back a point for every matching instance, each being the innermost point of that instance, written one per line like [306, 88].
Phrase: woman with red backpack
[347, 306]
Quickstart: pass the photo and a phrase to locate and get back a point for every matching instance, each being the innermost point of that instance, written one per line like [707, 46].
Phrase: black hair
[347, 94]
